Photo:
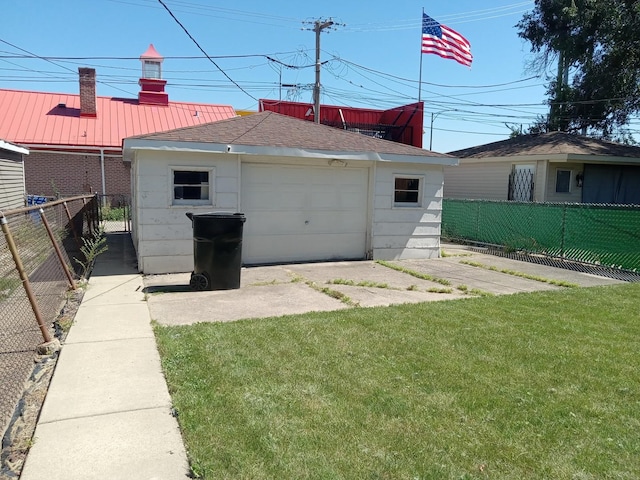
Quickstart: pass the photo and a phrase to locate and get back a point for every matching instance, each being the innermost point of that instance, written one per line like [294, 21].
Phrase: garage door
[297, 213]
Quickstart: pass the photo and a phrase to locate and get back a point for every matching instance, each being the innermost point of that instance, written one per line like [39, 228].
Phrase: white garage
[309, 192]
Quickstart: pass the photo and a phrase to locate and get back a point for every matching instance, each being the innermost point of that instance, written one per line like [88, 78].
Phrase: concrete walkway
[107, 414]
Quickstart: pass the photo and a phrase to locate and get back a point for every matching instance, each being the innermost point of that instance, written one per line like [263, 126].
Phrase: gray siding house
[12, 186]
[550, 167]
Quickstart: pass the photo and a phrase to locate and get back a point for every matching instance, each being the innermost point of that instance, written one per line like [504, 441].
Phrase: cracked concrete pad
[248, 302]
[382, 297]
[476, 278]
[363, 271]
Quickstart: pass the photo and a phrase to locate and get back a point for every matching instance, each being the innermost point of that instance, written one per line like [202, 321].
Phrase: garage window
[192, 187]
[407, 191]
[563, 181]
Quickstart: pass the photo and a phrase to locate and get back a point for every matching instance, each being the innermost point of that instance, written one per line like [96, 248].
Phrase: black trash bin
[217, 250]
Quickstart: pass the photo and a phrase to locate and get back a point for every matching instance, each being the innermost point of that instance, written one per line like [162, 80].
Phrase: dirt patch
[18, 437]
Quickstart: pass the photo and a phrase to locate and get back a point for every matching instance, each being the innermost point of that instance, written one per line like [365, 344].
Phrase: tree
[597, 46]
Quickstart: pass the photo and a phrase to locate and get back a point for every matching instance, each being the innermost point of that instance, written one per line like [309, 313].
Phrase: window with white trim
[407, 190]
[192, 186]
[563, 181]
[151, 69]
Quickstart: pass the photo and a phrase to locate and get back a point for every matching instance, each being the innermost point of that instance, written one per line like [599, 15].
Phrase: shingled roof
[270, 129]
[547, 144]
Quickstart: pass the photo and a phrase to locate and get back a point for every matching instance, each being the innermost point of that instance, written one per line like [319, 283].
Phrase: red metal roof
[401, 124]
[40, 118]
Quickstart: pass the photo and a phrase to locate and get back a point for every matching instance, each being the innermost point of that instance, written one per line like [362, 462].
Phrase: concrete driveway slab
[249, 302]
[357, 272]
[287, 289]
[382, 297]
[476, 278]
[536, 269]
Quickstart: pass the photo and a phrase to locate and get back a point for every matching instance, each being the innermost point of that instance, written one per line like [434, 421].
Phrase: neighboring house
[12, 191]
[550, 167]
[399, 124]
[309, 192]
[76, 140]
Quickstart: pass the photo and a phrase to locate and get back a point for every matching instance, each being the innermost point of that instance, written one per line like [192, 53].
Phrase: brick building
[75, 141]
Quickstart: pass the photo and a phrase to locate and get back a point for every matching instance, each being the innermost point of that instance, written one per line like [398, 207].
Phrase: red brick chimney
[88, 105]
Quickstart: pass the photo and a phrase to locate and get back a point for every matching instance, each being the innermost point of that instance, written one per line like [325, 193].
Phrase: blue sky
[372, 56]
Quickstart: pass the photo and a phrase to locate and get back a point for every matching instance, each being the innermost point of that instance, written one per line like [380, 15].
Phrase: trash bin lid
[217, 215]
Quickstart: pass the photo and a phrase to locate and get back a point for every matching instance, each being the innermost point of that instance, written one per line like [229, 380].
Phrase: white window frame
[152, 69]
[417, 204]
[558, 170]
[179, 202]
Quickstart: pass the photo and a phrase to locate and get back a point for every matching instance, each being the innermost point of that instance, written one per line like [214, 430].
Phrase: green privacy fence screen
[607, 235]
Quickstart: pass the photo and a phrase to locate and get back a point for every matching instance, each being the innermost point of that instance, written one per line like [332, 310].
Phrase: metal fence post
[45, 222]
[25, 280]
[73, 227]
[478, 221]
[564, 230]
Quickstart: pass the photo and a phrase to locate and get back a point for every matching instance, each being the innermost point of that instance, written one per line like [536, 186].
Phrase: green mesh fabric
[607, 235]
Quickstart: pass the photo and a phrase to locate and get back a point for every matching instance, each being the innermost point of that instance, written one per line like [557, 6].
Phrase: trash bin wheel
[198, 282]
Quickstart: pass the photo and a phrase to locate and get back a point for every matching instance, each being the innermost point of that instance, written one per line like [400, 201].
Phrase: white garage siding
[303, 213]
[163, 234]
[405, 232]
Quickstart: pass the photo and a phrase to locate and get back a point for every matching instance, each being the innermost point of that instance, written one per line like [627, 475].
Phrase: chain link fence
[40, 255]
[602, 235]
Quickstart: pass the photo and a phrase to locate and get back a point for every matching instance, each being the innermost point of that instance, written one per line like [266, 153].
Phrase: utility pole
[318, 26]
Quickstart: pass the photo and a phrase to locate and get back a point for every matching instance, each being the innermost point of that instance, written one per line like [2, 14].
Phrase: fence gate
[521, 183]
[115, 212]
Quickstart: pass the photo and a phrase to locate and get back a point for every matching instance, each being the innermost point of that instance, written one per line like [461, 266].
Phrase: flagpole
[420, 76]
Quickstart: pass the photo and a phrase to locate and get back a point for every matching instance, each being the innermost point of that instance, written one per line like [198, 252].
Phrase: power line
[512, 82]
[205, 53]
[53, 63]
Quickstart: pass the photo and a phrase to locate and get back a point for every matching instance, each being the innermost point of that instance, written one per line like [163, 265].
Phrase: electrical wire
[53, 63]
[205, 53]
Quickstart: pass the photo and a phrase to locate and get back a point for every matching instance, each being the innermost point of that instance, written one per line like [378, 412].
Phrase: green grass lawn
[526, 386]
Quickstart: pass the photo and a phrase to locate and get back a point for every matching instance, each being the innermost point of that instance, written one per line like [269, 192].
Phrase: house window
[407, 191]
[563, 181]
[192, 187]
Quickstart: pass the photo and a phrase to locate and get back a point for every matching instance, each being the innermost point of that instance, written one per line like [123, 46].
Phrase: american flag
[443, 41]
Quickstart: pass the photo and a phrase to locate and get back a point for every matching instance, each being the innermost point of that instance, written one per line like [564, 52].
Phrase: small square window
[151, 69]
[407, 191]
[563, 181]
[191, 187]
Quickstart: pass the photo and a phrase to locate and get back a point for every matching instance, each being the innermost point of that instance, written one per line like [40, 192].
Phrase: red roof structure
[399, 124]
[75, 140]
[53, 119]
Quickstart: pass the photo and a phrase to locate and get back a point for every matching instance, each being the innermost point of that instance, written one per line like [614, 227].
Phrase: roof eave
[13, 148]
[132, 144]
[551, 157]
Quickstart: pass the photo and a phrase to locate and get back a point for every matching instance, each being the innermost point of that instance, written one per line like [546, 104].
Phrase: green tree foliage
[598, 43]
